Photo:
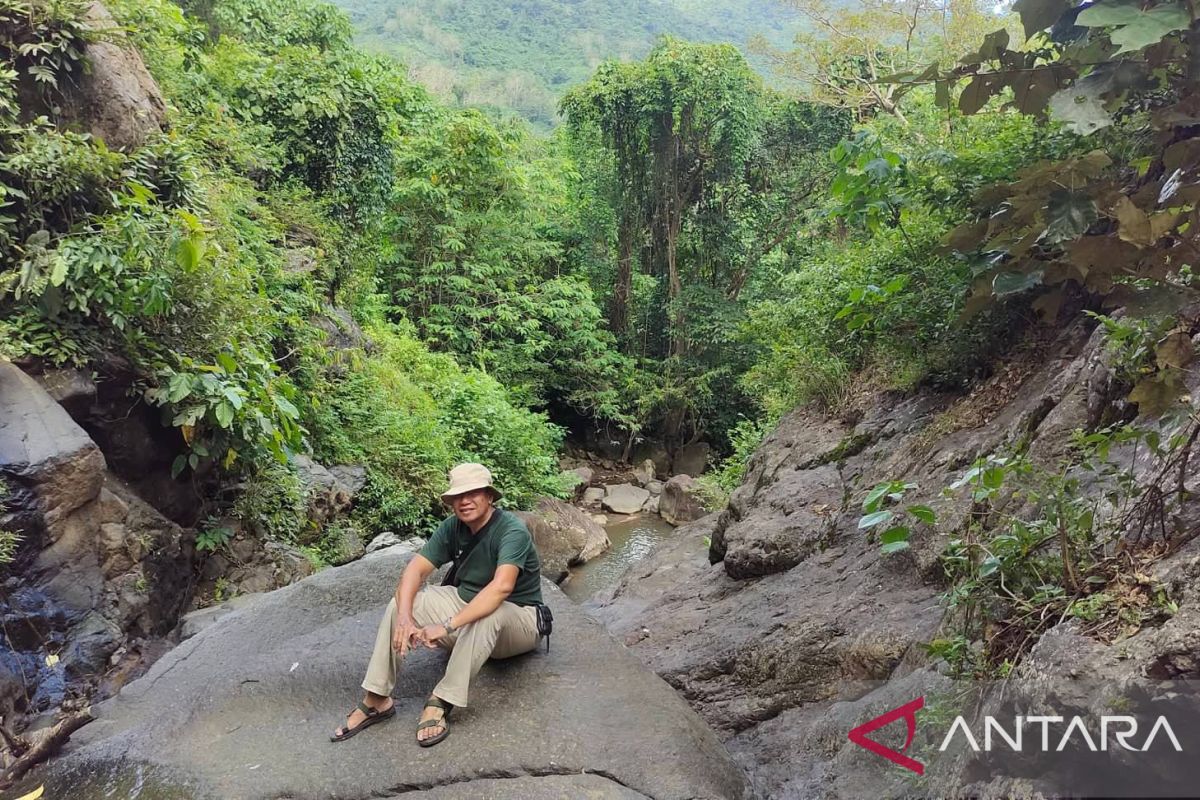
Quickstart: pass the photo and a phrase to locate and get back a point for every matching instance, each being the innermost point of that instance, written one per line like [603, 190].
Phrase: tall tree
[679, 125]
[848, 49]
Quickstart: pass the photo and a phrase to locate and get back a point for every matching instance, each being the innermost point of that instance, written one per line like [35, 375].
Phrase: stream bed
[632, 540]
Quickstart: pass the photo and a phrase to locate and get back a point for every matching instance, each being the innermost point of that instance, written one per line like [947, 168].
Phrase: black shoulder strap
[451, 578]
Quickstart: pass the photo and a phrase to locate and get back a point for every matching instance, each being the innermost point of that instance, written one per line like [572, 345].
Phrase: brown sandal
[435, 702]
[372, 716]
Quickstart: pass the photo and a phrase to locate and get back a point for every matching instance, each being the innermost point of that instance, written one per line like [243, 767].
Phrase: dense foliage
[213, 258]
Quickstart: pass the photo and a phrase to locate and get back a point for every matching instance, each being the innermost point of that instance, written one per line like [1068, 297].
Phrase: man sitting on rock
[487, 607]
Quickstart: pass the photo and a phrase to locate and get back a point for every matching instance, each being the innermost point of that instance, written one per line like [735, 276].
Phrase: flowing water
[632, 540]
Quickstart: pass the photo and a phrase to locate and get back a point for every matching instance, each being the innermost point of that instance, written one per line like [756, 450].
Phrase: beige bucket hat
[467, 478]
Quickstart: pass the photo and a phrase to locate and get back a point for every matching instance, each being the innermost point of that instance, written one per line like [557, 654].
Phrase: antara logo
[1122, 729]
[907, 712]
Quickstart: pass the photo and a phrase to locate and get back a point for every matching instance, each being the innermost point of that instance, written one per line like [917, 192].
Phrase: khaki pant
[508, 631]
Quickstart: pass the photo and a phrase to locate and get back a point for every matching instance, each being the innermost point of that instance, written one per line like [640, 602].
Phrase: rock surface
[96, 563]
[778, 634]
[584, 720]
[390, 539]
[564, 535]
[624, 498]
[679, 503]
[593, 495]
[116, 100]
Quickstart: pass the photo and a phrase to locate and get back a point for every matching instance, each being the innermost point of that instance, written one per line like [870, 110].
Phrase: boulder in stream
[679, 502]
[244, 708]
[564, 535]
[625, 498]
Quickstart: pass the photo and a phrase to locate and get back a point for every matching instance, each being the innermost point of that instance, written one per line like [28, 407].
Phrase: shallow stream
[632, 540]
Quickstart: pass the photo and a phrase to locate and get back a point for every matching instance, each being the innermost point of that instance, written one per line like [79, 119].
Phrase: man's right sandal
[371, 716]
[435, 702]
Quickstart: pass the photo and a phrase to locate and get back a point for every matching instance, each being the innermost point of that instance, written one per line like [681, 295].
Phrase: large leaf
[978, 92]
[1135, 27]
[1033, 89]
[1037, 15]
[1079, 108]
[1068, 215]
[993, 45]
[1175, 350]
[1013, 282]
[1134, 224]
[1156, 393]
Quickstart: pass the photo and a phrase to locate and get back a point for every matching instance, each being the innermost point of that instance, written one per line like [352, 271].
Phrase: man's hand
[431, 633]
[404, 633]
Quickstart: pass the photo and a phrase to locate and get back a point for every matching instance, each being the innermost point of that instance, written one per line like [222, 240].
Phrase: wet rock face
[96, 564]
[583, 720]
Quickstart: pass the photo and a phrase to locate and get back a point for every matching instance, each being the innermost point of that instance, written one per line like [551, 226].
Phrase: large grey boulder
[44, 452]
[680, 502]
[624, 498]
[244, 708]
[564, 536]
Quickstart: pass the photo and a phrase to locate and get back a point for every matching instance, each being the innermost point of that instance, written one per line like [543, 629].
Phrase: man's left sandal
[435, 702]
[372, 716]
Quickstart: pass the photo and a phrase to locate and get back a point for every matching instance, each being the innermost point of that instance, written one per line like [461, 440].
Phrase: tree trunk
[618, 312]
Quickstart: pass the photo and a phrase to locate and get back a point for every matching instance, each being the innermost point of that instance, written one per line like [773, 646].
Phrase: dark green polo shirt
[505, 540]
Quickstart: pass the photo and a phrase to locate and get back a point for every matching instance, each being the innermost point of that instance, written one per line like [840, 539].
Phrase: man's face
[472, 506]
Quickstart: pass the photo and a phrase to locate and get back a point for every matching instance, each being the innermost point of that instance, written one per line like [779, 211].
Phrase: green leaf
[877, 518]
[1135, 27]
[224, 414]
[227, 362]
[59, 273]
[1068, 214]
[899, 533]
[1079, 108]
[178, 465]
[187, 253]
[871, 503]
[989, 566]
[285, 405]
[923, 513]
[179, 387]
[1013, 282]
[894, 547]
[941, 94]
[1037, 15]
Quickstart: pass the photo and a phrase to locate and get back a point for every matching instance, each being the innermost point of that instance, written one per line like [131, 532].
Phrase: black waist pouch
[545, 623]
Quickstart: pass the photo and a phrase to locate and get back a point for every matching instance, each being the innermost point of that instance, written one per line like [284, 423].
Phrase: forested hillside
[520, 57]
[289, 252]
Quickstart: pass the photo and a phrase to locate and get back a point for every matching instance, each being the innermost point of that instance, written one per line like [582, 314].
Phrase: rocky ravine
[801, 630]
[244, 708]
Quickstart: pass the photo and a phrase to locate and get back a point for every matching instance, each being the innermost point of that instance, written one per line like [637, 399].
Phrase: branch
[788, 223]
[45, 746]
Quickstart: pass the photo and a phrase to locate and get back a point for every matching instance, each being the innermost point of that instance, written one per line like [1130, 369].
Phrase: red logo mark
[909, 713]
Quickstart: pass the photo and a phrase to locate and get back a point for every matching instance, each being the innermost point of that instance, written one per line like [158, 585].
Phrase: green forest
[318, 256]
[518, 58]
